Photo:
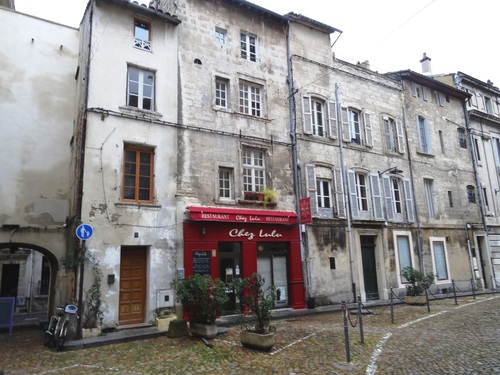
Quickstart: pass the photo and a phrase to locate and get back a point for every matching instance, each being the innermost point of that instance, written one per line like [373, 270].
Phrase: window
[138, 175]
[485, 199]
[248, 50]
[393, 132]
[319, 117]
[356, 127]
[361, 192]
[487, 105]
[462, 141]
[250, 99]
[225, 184]
[45, 277]
[429, 197]
[450, 198]
[220, 36]
[496, 152]
[140, 89]
[441, 140]
[221, 93]
[398, 199]
[476, 146]
[324, 187]
[424, 142]
[439, 259]
[471, 195]
[403, 253]
[142, 33]
[254, 170]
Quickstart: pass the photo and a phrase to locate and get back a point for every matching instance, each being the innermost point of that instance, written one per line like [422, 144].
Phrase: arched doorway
[28, 273]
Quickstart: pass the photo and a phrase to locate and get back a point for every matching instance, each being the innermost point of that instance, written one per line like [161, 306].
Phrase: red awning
[242, 216]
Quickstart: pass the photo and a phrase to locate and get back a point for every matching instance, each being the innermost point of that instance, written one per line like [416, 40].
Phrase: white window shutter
[378, 212]
[306, 114]
[368, 129]
[480, 102]
[413, 88]
[425, 93]
[339, 193]
[353, 196]
[311, 188]
[401, 140]
[332, 120]
[389, 202]
[428, 136]
[408, 200]
[346, 129]
[441, 100]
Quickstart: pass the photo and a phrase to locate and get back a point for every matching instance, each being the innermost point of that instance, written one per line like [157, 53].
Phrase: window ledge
[137, 205]
[265, 119]
[425, 154]
[140, 112]
[222, 109]
[244, 202]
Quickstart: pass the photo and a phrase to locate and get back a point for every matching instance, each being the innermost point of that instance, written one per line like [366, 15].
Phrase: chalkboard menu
[201, 262]
[7, 312]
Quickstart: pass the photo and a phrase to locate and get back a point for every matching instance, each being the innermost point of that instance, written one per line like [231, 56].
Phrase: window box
[253, 196]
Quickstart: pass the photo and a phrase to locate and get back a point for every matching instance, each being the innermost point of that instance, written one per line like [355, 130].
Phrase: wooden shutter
[311, 188]
[353, 196]
[332, 120]
[413, 88]
[368, 129]
[339, 193]
[346, 129]
[425, 93]
[401, 140]
[378, 211]
[389, 202]
[306, 114]
[408, 200]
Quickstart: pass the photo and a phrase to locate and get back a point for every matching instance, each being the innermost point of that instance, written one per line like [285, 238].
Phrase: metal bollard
[360, 320]
[346, 332]
[392, 307]
[473, 289]
[454, 291]
[427, 300]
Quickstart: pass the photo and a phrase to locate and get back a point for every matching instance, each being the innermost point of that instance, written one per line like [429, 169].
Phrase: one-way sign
[84, 231]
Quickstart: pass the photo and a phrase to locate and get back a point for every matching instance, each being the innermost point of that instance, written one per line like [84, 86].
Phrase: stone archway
[27, 277]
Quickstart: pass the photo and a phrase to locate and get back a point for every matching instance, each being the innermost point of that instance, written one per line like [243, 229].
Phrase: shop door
[10, 280]
[229, 268]
[133, 267]
[272, 265]
[369, 267]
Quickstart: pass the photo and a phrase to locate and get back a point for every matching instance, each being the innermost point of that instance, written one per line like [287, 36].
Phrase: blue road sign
[84, 231]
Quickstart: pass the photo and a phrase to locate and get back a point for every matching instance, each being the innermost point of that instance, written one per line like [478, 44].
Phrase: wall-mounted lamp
[203, 231]
[497, 190]
[391, 170]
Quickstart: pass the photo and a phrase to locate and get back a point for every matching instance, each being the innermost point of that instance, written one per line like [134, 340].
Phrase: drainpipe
[304, 248]
[346, 193]
[415, 206]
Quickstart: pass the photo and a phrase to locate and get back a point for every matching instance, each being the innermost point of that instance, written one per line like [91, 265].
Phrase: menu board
[201, 262]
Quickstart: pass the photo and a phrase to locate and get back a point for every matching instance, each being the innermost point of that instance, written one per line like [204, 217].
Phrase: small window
[450, 198]
[424, 142]
[142, 34]
[248, 47]
[324, 193]
[429, 197]
[355, 126]
[476, 146]
[138, 175]
[254, 170]
[250, 99]
[471, 195]
[318, 117]
[462, 141]
[221, 93]
[332, 263]
[225, 184]
[140, 89]
[220, 36]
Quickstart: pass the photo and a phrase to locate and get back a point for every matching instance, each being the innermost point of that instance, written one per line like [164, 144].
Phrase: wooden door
[133, 268]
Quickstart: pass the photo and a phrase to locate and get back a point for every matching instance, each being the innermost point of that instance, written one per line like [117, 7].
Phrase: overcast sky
[457, 35]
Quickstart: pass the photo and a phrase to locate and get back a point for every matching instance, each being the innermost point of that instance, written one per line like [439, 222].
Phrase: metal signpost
[83, 232]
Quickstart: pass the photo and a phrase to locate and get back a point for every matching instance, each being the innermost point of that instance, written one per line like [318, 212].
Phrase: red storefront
[228, 243]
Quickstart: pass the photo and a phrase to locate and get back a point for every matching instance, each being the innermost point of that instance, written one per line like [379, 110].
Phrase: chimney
[426, 64]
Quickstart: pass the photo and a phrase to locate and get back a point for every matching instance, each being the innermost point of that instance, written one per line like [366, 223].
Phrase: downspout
[415, 206]
[346, 193]
[304, 248]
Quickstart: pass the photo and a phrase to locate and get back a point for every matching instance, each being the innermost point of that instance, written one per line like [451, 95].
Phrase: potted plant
[416, 285]
[202, 299]
[256, 304]
[270, 196]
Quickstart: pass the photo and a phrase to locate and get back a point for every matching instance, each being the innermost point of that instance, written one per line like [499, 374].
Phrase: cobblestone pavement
[451, 339]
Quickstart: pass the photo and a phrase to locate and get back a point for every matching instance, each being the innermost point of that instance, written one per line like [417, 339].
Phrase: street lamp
[391, 170]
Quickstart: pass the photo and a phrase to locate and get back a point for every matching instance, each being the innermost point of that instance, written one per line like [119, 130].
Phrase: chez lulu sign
[250, 235]
[242, 216]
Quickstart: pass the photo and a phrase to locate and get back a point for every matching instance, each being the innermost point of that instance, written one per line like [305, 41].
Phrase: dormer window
[142, 35]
